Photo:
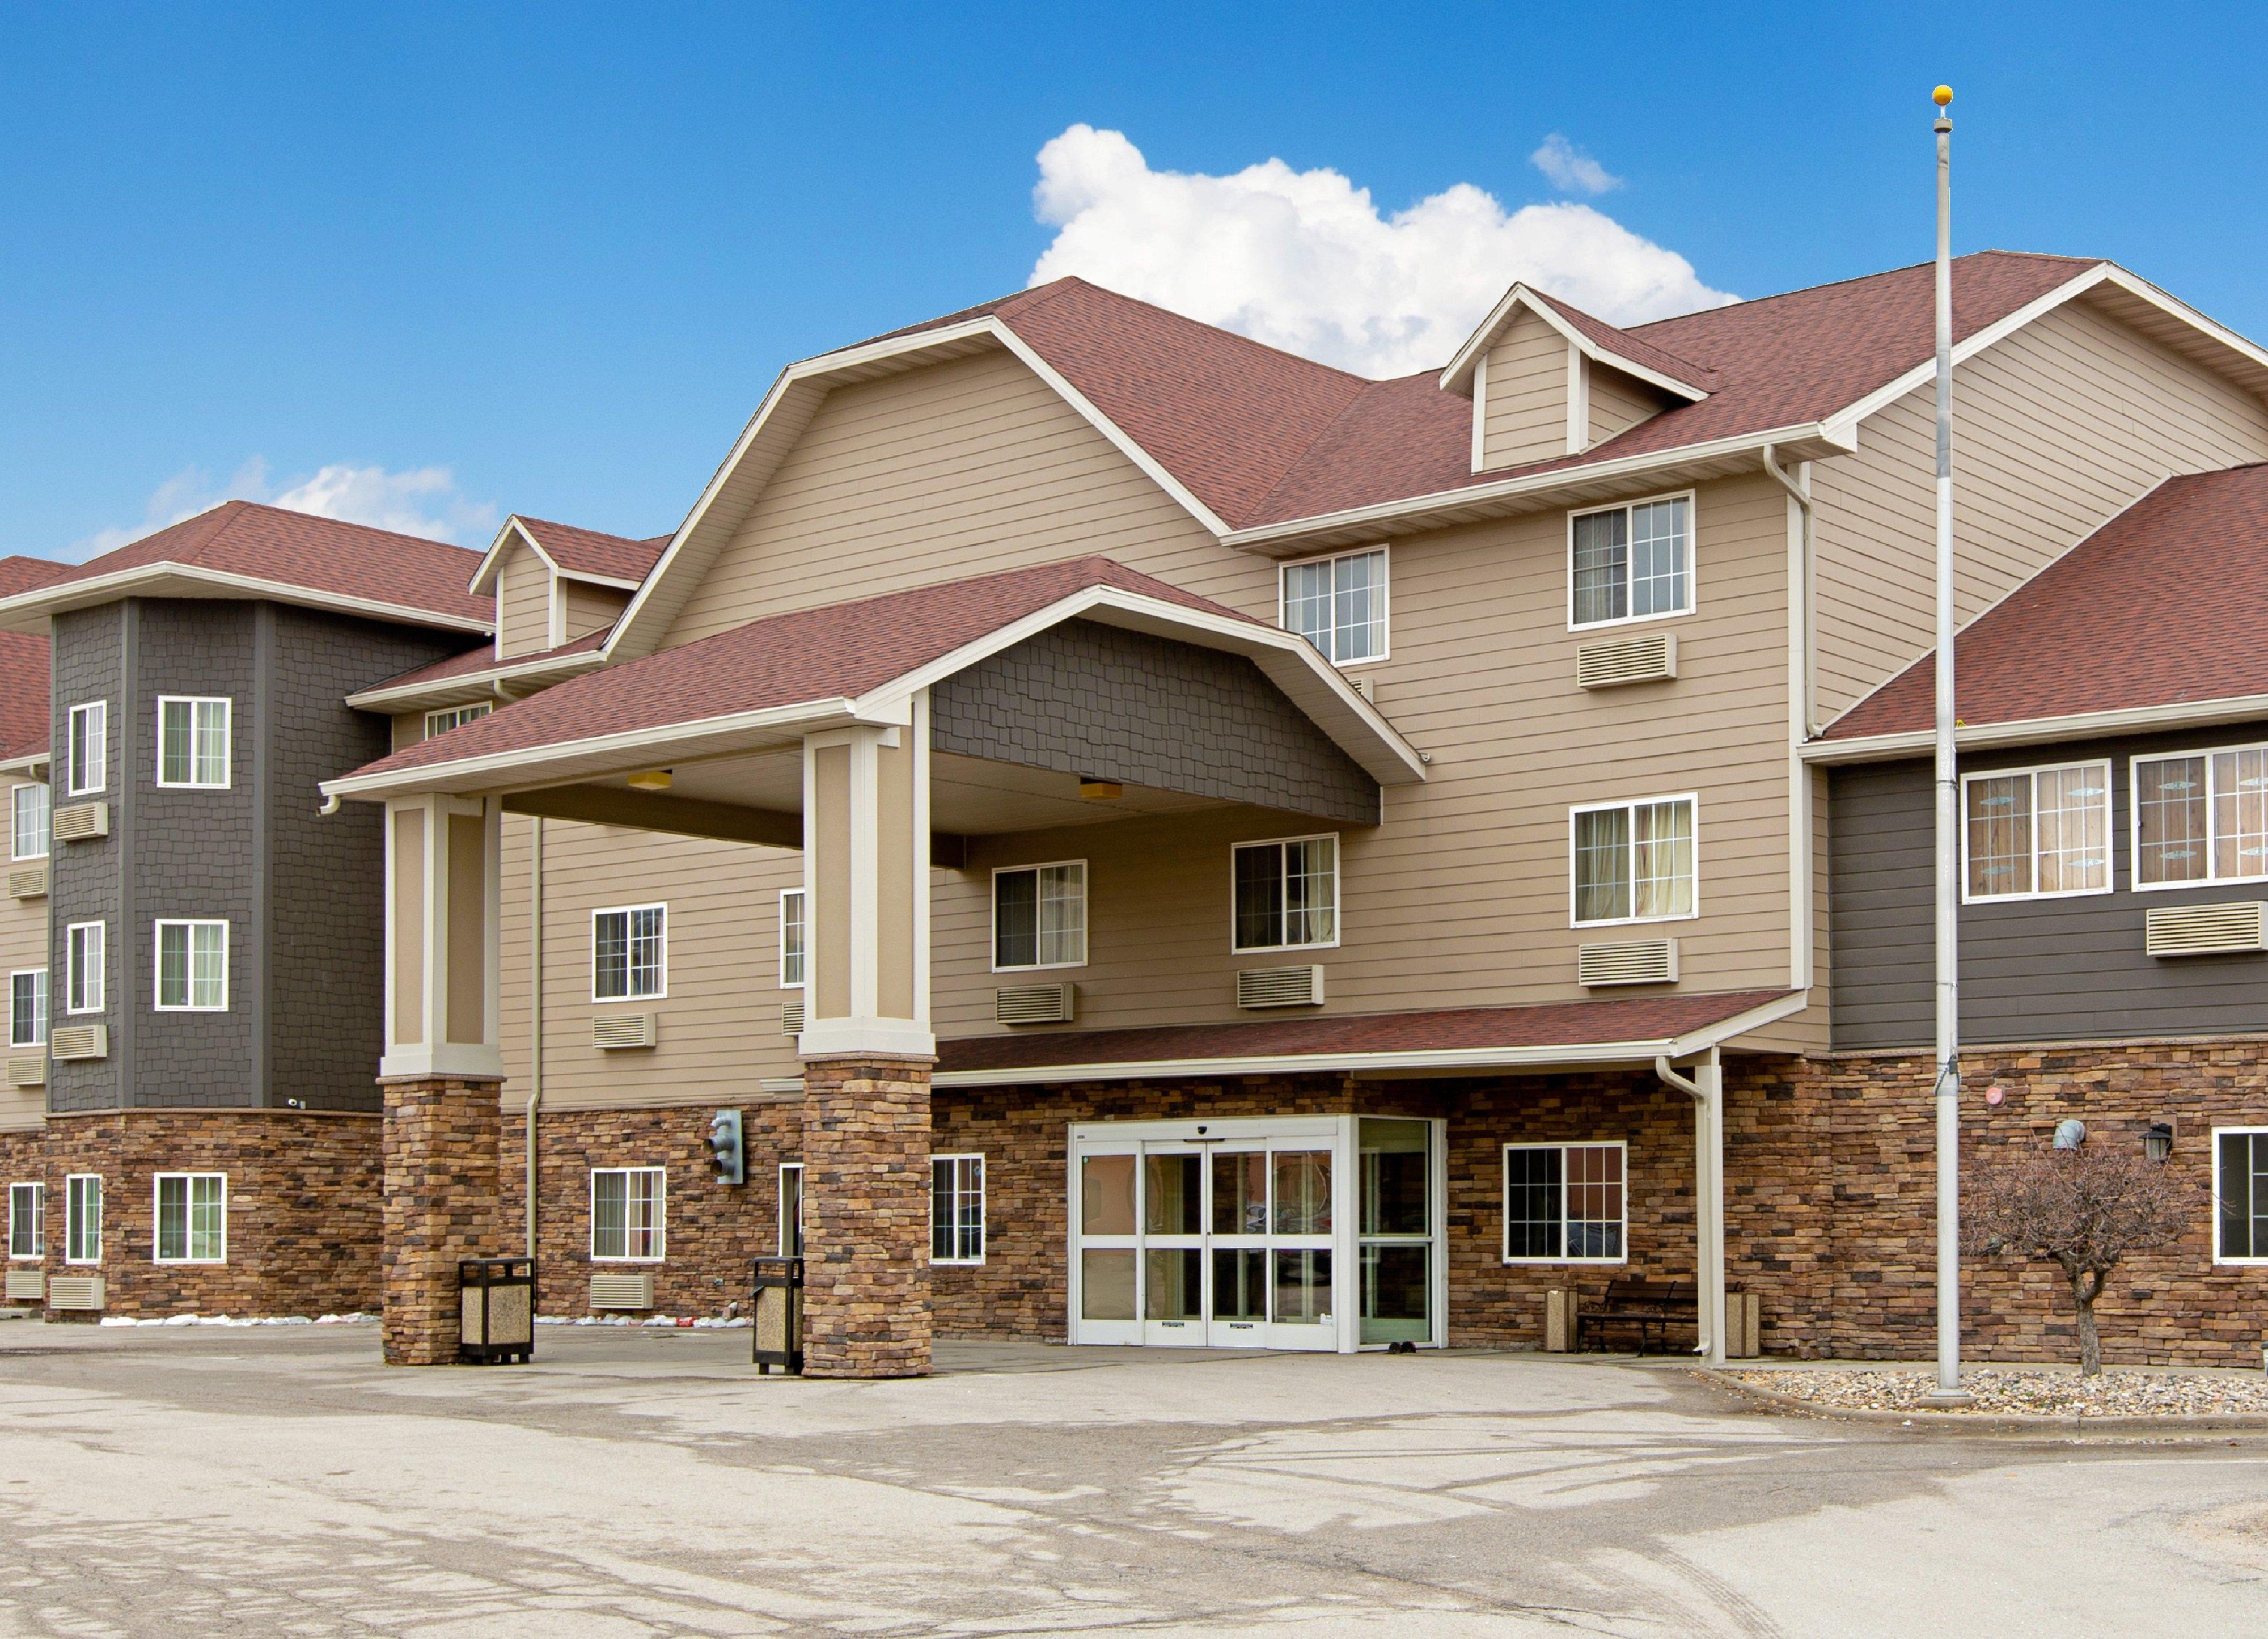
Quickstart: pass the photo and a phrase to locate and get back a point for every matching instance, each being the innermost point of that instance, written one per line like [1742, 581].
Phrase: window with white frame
[1565, 1203]
[88, 749]
[83, 1218]
[192, 1218]
[1287, 894]
[791, 939]
[1338, 604]
[192, 967]
[629, 953]
[27, 1007]
[192, 742]
[28, 837]
[2036, 833]
[1039, 916]
[1630, 563]
[27, 1221]
[628, 1207]
[1634, 861]
[2239, 1194]
[956, 1209]
[83, 967]
[790, 1209]
[2201, 817]
[449, 717]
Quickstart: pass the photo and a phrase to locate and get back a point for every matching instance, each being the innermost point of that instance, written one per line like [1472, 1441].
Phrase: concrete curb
[1986, 1422]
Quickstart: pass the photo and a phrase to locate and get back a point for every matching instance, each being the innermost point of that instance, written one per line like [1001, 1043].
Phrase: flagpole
[1948, 1090]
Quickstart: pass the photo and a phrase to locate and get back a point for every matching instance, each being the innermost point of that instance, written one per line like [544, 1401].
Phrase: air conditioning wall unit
[1649, 659]
[26, 1286]
[2207, 930]
[614, 1030]
[29, 881]
[28, 1070]
[791, 1018]
[75, 1292]
[622, 1290]
[1627, 961]
[81, 822]
[79, 1041]
[1036, 1004]
[1280, 988]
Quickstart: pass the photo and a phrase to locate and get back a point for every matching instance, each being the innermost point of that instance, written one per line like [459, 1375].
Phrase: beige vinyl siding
[409, 729]
[523, 604]
[961, 469]
[1617, 402]
[23, 944]
[1524, 417]
[590, 609]
[2057, 428]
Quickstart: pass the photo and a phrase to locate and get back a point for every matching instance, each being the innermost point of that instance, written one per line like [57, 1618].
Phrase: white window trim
[29, 784]
[2212, 1163]
[479, 708]
[1385, 551]
[1573, 899]
[992, 919]
[983, 1207]
[227, 747]
[2110, 832]
[1692, 561]
[188, 1204]
[99, 710]
[69, 1179]
[38, 1220]
[14, 975]
[659, 994]
[1338, 893]
[661, 1219]
[1504, 1200]
[786, 894]
[2212, 827]
[785, 1168]
[157, 963]
[101, 985]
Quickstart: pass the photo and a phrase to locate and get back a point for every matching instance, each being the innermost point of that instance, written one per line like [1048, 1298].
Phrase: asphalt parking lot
[280, 1482]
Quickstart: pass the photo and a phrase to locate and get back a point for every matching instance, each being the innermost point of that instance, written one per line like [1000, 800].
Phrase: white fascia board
[2046, 730]
[29, 764]
[2173, 306]
[584, 577]
[1458, 374]
[170, 580]
[514, 533]
[488, 680]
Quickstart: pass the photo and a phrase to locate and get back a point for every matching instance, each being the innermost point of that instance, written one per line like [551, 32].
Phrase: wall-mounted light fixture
[2158, 1143]
[1099, 790]
[652, 779]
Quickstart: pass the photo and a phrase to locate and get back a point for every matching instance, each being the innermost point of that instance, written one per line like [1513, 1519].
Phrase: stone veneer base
[867, 1187]
[441, 1202]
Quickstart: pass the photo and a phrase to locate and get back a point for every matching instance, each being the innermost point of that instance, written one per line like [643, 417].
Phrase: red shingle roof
[1552, 1024]
[840, 650]
[348, 560]
[474, 661]
[1630, 345]
[588, 552]
[2167, 603]
[24, 663]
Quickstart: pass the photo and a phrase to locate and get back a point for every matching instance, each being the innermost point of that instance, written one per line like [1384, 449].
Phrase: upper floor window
[628, 1207]
[2202, 817]
[83, 967]
[1338, 604]
[27, 1007]
[2037, 832]
[192, 742]
[448, 717]
[29, 838]
[1286, 893]
[791, 938]
[629, 953]
[1630, 563]
[1039, 916]
[1634, 861]
[192, 967]
[88, 748]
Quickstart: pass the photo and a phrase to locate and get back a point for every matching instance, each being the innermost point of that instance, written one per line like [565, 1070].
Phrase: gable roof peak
[1594, 336]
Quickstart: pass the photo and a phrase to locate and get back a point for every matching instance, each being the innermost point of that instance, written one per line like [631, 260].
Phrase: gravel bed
[2016, 1390]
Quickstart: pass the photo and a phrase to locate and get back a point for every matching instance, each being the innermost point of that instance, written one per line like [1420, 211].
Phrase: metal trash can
[779, 1315]
[496, 1310]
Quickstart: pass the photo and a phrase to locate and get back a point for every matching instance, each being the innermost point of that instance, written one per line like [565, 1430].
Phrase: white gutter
[1912, 742]
[408, 695]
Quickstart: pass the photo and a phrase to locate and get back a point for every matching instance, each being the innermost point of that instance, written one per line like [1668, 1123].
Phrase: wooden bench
[1648, 1308]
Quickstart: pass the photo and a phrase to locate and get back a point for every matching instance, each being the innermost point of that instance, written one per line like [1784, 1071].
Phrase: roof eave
[30, 611]
[490, 682]
[2166, 717]
[1457, 376]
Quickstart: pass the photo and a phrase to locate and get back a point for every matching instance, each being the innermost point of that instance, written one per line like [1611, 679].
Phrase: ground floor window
[628, 1204]
[83, 1218]
[791, 1203]
[27, 1221]
[956, 1209]
[1565, 1203]
[2239, 1194]
[192, 1218]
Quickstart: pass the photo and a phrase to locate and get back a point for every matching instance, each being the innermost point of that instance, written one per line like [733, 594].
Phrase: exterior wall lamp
[2158, 1143]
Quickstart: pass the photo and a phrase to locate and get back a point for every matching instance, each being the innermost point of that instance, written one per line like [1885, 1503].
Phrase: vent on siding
[26, 1286]
[27, 1070]
[1627, 961]
[29, 881]
[791, 1018]
[1036, 1004]
[1648, 659]
[1280, 988]
[82, 822]
[2205, 930]
[611, 1030]
[75, 1291]
[622, 1291]
[1365, 688]
[79, 1041]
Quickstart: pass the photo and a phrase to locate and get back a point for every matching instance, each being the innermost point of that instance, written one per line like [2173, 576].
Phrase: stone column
[866, 1180]
[441, 1203]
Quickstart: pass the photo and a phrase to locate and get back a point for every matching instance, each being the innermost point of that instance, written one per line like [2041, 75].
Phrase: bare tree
[2083, 1209]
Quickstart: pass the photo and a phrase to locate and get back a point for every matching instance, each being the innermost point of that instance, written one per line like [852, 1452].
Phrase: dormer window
[1630, 563]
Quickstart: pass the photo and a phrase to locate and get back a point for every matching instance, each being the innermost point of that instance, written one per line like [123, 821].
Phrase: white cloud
[423, 501]
[1303, 261]
[1570, 169]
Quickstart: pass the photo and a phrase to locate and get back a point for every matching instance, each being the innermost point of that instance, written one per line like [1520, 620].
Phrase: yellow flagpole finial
[1942, 95]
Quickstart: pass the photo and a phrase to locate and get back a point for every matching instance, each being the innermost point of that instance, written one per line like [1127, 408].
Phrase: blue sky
[442, 263]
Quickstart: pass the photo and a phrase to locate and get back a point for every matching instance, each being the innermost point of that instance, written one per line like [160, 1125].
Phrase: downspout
[1803, 687]
[534, 1009]
[1802, 590]
[1706, 1089]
